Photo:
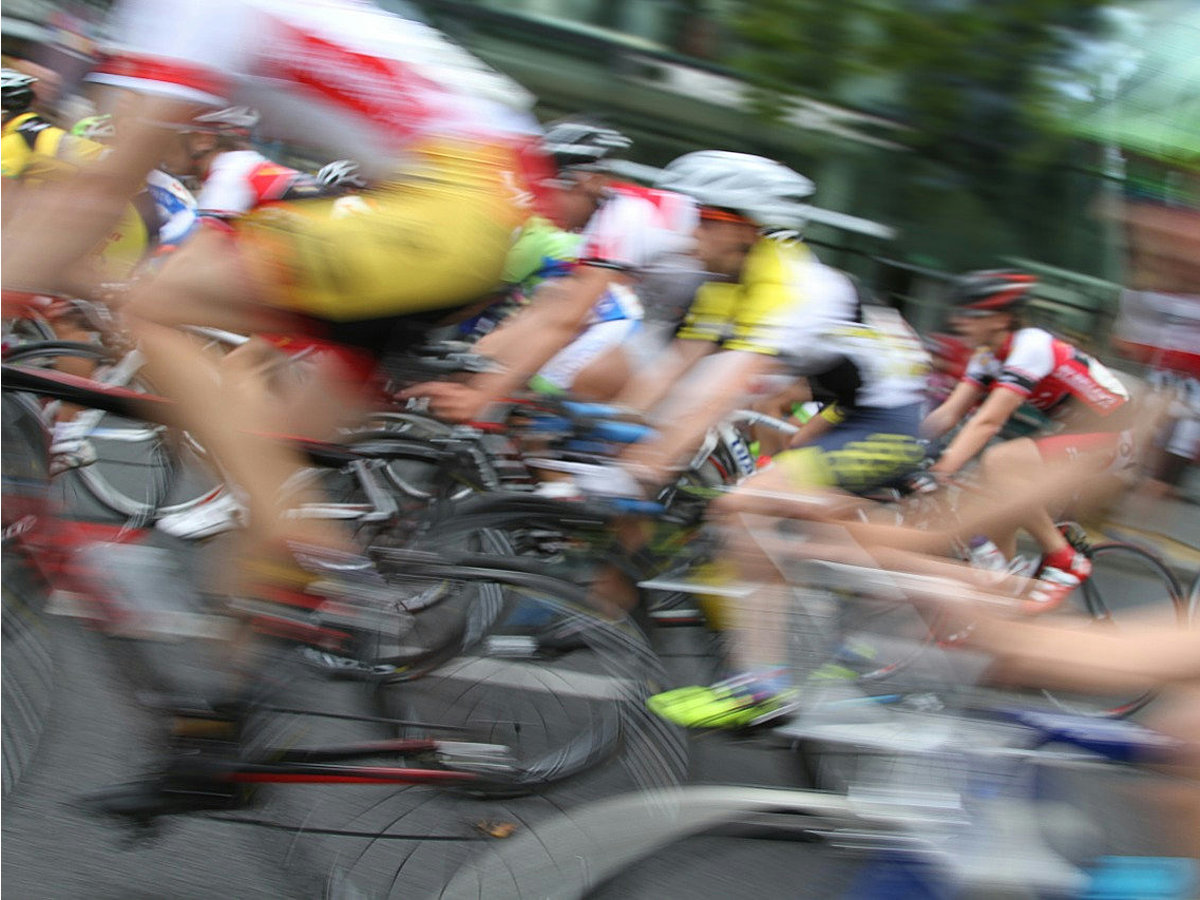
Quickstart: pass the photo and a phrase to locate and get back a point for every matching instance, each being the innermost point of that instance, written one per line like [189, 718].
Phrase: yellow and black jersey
[33, 150]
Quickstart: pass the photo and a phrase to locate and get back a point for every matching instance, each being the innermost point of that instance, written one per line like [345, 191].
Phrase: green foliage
[971, 73]
[978, 82]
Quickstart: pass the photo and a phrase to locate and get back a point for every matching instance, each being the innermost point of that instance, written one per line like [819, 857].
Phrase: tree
[976, 81]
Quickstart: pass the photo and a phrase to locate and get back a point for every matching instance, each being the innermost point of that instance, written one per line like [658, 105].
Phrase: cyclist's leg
[205, 283]
[855, 455]
[1015, 462]
[594, 365]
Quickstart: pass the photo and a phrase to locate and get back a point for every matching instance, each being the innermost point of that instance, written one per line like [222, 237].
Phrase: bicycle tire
[29, 666]
[21, 330]
[136, 467]
[1124, 577]
[593, 850]
[574, 720]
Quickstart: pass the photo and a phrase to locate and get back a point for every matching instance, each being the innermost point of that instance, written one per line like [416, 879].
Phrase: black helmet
[578, 143]
[992, 291]
[16, 90]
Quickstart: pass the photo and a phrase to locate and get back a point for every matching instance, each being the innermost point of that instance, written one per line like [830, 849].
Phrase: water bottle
[983, 554]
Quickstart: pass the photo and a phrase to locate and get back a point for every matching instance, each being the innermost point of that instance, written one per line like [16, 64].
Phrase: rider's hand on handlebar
[926, 481]
[450, 401]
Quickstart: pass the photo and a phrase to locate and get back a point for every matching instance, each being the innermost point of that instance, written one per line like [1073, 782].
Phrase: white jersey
[240, 180]
[633, 229]
[635, 226]
[343, 76]
[175, 205]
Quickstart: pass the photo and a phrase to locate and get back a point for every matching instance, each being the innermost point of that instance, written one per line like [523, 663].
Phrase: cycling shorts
[1117, 446]
[428, 243]
[562, 369]
[872, 447]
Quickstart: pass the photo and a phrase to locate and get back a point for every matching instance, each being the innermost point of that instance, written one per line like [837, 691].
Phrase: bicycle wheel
[135, 465]
[548, 718]
[385, 495]
[1125, 579]
[689, 842]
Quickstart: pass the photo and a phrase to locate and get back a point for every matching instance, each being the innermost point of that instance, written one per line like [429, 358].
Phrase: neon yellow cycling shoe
[740, 702]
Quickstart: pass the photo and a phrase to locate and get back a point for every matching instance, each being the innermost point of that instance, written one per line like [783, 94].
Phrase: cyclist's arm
[953, 409]
[701, 404]
[980, 428]
[523, 344]
[645, 392]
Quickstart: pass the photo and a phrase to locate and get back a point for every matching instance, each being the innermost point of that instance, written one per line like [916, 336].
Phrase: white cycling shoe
[221, 514]
[70, 447]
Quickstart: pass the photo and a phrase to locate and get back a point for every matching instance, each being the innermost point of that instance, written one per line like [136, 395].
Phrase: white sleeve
[1030, 359]
[226, 192]
[617, 235]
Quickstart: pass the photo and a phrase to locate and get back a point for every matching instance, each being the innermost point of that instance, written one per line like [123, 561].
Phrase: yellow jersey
[34, 152]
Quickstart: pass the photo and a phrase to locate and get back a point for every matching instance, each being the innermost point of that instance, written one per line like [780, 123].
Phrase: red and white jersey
[343, 76]
[1047, 371]
[637, 225]
[240, 180]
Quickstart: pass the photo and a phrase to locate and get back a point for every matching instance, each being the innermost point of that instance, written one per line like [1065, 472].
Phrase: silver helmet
[764, 191]
[341, 174]
[582, 143]
[233, 120]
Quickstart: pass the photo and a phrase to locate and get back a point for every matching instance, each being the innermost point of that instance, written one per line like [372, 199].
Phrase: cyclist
[1015, 364]
[35, 149]
[545, 249]
[448, 141]
[34, 153]
[162, 214]
[214, 148]
[777, 310]
[572, 333]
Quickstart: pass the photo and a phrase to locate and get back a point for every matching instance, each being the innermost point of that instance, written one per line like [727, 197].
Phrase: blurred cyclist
[571, 335]
[166, 215]
[775, 310]
[1015, 364]
[447, 141]
[215, 149]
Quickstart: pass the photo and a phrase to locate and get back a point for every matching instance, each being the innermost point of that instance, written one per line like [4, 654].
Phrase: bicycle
[547, 713]
[958, 799]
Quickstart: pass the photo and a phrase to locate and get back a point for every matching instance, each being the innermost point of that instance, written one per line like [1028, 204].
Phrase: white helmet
[767, 192]
[232, 120]
[340, 175]
[582, 143]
